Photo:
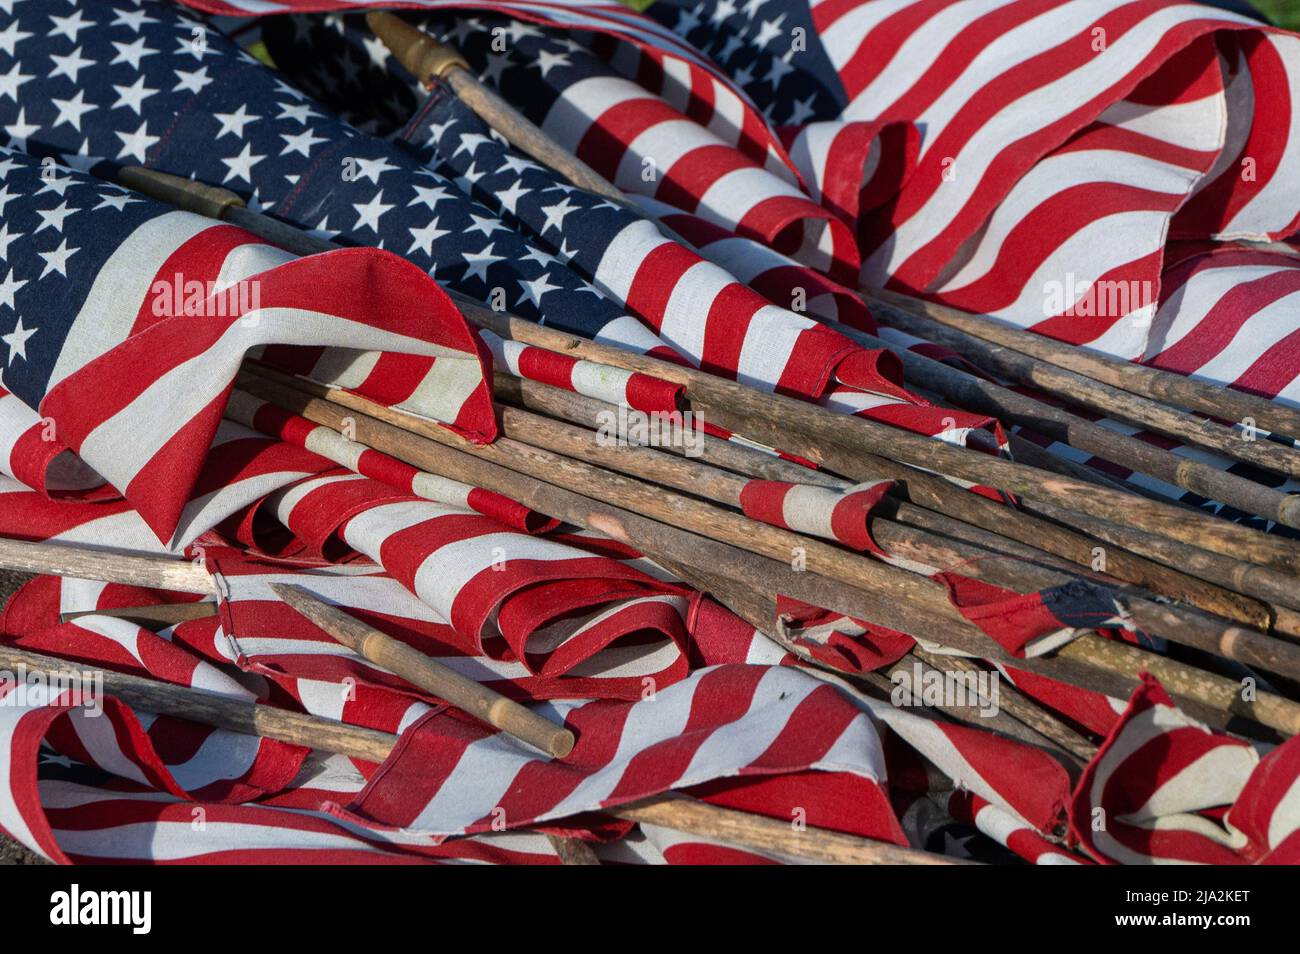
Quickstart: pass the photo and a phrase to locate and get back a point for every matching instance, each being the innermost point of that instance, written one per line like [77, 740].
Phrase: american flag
[1065, 149]
[109, 325]
[1102, 263]
[800, 150]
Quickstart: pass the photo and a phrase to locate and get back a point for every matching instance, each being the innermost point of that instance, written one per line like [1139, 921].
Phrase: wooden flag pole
[168, 614]
[911, 605]
[431, 676]
[164, 573]
[431, 61]
[683, 530]
[1177, 624]
[841, 442]
[677, 812]
[1155, 383]
[1114, 402]
[1253, 598]
[1011, 407]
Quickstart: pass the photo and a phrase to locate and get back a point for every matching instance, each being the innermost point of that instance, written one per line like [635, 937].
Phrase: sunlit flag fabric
[147, 307]
[782, 156]
[1170, 791]
[1140, 129]
[751, 736]
[1088, 244]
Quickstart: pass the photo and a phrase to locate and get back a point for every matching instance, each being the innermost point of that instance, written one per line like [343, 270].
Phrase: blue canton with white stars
[107, 83]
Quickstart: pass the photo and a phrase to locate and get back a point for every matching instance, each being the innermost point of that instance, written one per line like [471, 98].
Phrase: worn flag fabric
[973, 152]
[1207, 798]
[31, 453]
[162, 305]
[276, 422]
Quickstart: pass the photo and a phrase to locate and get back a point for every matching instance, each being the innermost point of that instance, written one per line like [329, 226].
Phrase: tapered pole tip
[420, 54]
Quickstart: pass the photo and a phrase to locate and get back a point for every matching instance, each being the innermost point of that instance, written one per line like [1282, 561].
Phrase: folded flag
[160, 308]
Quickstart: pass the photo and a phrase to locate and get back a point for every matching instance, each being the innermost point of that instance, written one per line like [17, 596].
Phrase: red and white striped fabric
[241, 468]
[777, 277]
[273, 421]
[621, 129]
[744, 336]
[1038, 116]
[749, 724]
[1164, 789]
[1010, 832]
[752, 717]
[213, 774]
[1227, 315]
[376, 311]
[643, 392]
[129, 803]
[1249, 193]
[509, 595]
[638, 643]
[853, 168]
[843, 516]
[31, 454]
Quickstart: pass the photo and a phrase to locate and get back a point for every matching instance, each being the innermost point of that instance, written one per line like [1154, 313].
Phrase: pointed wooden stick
[979, 394]
[839, 442]
[1164, 386]
[1087, 392]
[430, 675]
[910, 605]
[430, 61]
[58, 559]
[668, 811]
[167, 613]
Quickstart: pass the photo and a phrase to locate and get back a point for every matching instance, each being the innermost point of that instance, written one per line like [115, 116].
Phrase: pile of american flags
[804, 468]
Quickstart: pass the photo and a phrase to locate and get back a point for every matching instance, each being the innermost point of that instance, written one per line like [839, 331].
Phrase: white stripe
[1275, 205]
[109, 312]
[145, 432]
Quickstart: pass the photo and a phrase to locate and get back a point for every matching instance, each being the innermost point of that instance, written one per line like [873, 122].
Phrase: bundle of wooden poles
[1222, 594]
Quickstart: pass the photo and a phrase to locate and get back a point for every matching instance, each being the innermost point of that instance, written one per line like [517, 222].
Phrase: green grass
[1283, 12]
